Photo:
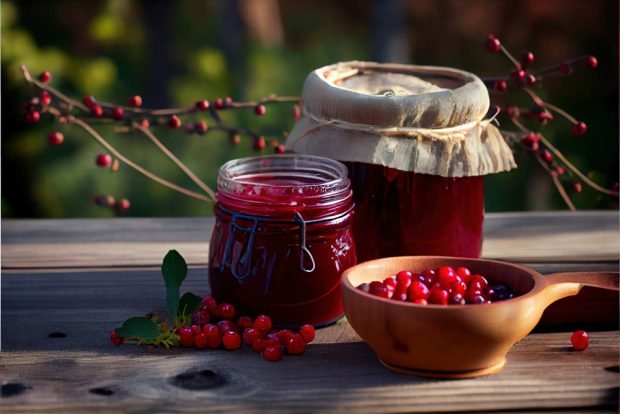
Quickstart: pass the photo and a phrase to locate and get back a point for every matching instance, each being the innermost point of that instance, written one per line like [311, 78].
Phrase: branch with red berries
[89, 113]
[562, 172]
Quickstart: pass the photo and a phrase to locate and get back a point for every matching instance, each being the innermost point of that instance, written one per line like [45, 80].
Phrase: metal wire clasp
[304, 249]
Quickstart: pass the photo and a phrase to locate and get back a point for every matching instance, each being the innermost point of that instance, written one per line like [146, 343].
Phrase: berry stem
[506, 53]
[178, 162]
[538, 100]
[557, 183]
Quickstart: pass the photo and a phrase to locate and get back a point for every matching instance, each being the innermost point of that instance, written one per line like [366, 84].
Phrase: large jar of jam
[282, 237]
[417, 145]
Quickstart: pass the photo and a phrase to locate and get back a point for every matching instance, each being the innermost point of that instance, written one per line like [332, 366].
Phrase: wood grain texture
[589, 237]
[83, 372]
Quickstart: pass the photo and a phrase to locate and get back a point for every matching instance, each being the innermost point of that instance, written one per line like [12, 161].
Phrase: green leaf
[174, 270]
[139, 327]
[189, 303]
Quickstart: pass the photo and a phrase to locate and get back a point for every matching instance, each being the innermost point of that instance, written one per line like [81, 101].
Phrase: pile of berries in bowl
[439, 286]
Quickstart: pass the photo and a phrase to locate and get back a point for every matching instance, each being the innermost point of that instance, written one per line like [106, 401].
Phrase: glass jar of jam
[417, 147]
[282, 237]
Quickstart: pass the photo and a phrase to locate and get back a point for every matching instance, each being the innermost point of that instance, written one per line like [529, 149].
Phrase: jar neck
[282, 186]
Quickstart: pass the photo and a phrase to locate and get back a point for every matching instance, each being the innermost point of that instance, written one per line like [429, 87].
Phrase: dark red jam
[282, 237]
[400, 213]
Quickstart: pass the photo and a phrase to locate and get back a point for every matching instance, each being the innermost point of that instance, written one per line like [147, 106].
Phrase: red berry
[226, 311]
[531, 141]
[456, 299]
[135, 101]
[116, 340]
[296, 112]
[89, 101]
[118, 113]
[580, 129]
[530, 80]
[430, 276]
[260, 110]
[96, 110]
[250, 335]
[477, 300]
[513, 112]
[187, 336]
[446, 276]
[123, 205]
[527, 59]
[103, 160]
[592, 62]
[378, 289]
[259, 143]
[174, 122]
[231, 340]
[258, 345]
[202, 105]
[404, 275]
[228, 101]
[544, 116]
[209, 304]
[559, 170]
[390, 282]
[464, 273]
[45, 77]
[580, 340]
[219, 103]
[225, 326]
[201, 127]
[493, 44]
[46, 99]
[438, 296]
[307, 333]
[32, 117]
[458, 287]
[262, 323]
[295, 345]
[478, 282]
[280, 149]
[418, 290]
[565, 68]
[284, 335]
[547, 156]
[245, 322]
[196, 329]
[145, 123]
[577, 187]
[212, 333]
[272, 353]
[500, 85]
[55, 138]
[200, 341]
[201, 317]
[519, 74]
[421, 301]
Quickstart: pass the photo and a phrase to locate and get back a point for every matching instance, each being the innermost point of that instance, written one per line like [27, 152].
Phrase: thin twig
[179, 164]
[557, 183]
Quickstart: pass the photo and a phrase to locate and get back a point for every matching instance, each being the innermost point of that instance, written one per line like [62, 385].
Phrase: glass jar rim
[306, 176]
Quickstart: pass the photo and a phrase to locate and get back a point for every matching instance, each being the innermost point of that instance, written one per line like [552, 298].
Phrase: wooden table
[82, 278]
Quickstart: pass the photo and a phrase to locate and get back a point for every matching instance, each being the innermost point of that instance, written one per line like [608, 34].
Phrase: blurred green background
[175, 52]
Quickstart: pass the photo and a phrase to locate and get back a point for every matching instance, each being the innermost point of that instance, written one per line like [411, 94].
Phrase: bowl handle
[561, 285]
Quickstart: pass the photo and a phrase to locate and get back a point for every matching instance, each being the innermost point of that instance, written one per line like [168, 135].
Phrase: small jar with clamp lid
[282, 237]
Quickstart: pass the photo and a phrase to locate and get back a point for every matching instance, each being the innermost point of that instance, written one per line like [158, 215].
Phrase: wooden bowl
[454, 341]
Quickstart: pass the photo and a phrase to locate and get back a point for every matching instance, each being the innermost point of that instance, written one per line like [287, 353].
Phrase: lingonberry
[32, 117]
[527, 58]
[202, 105]
[457, 299]
[45, 77]
[272, 353]
[477, 300]
[421, 301]
[493, 44]
[250, 335]
[280, 149]
[96, 110]
[174, 122]
[592, 62]
[577, 187]
[135, 101]
[296, 112]
[201, 127]
[258, 345]
[513, 112]
[225, 311]
[565, 68]
[212, 333]
[209, 304]
[580, 340]
[45, 97]
[438, 296]
[103, 160]
[545, 116]
[458, 287]
[284, 335]
[116, 340]
[200, 341]
[262, 323]
[446, 276]
[259, 143]
[478, 282]
[272, 334]
[196, 329]
[378, 289]
[245, 322]
[89, 101]
[547, 156]
[187, 336]
[260, 110]
[559, 170]
[580, 129]
[231, 340]
[430, 275]
[55, 138]
[145, 123]
[307, 333]
[390, 282]
[118, 113]
[225, 326]
[530, 80]
[531, 141]
[228, 101]
[219, 103]
[123, 205]
[417, 290]
[201, 317]
[519, 74]
[464, 273]
[500, 85]
[295, 345]
[404, 275]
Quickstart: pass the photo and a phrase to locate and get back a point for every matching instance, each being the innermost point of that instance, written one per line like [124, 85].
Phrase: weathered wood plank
[542, 373]
[543, 237]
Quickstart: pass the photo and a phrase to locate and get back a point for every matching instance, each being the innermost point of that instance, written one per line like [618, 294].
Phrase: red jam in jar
[402, 213]
[282, 237]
